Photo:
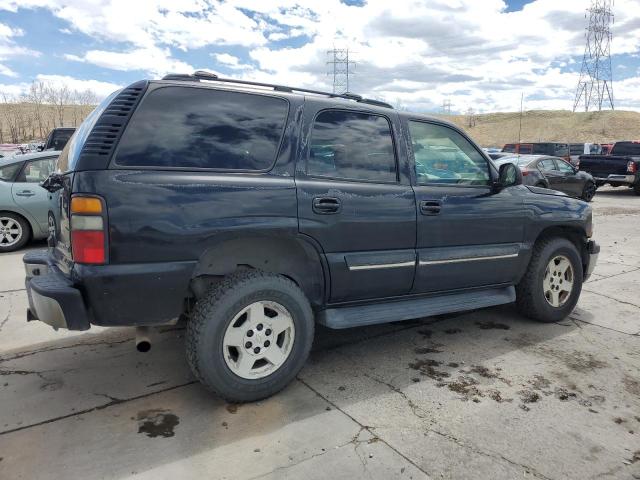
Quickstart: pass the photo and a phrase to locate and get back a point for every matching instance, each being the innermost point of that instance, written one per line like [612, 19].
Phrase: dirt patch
[452, 331]
[636, 456]
[466, 386]
[581, 361]
[527, 396]
[453, 364]
[539, 383]
[232, 408]
[426, 367]
[426, 333]
[492, 326]
[430, 349]
[157, 423]
[496, 396]
[563, 394]
[619, 420]
[631, 385]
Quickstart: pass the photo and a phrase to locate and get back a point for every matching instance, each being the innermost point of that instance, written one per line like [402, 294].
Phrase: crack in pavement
[606, 277]
[611, 298]
[14, 290]
[112, 403]
[574, 319]
[362, 427]
[470, 447]
[53, 349]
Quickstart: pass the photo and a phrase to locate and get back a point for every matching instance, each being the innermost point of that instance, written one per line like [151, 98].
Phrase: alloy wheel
[557, 284]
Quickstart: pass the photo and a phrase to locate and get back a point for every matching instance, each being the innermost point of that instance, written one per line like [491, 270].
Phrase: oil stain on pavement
[157, 423]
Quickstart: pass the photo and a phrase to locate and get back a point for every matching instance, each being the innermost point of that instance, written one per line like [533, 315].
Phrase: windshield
[69, 157]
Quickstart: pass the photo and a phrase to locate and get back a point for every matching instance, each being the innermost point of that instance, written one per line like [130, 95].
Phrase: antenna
[595, 86]
[340, 68]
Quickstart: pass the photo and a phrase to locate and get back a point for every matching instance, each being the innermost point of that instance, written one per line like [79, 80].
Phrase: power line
[340, 68]
[595, 86]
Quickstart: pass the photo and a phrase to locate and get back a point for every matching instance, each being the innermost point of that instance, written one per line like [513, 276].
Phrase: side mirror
[509, 176]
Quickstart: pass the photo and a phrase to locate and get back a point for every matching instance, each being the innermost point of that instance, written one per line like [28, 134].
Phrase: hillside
[496, 129]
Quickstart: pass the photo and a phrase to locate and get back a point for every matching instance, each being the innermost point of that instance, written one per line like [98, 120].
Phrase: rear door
[550, 171]
[468, 235]
[28, 193]
[356, 202]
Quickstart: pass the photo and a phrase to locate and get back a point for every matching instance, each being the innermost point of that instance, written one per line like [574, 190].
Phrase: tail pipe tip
[143, 342]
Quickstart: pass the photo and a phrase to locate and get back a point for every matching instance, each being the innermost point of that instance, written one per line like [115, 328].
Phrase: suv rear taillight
[632, 167]
[88, 227]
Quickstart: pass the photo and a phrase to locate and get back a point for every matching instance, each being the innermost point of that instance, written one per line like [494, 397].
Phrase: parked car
[540, 148]
[553, 172]
[24, 204]
[255, 211]
[620, 167]
[498, 155]
[58, 138]
[577, 149]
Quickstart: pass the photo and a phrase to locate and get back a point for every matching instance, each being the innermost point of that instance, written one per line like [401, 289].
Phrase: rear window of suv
[178, 127]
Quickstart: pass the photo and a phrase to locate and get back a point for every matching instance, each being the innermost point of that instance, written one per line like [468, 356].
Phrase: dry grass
[496, 129]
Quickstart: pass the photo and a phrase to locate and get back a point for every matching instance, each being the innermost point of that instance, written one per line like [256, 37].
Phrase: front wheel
[589, 191]
[250, 335]
[550, 288]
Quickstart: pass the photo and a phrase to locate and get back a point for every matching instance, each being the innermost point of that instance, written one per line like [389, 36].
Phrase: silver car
[24, 204]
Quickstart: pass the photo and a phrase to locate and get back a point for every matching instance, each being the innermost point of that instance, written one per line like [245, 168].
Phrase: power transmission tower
[595, 86]
[340, 68]
[446, 106]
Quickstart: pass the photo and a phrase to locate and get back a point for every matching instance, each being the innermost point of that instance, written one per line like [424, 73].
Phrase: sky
[480, 54]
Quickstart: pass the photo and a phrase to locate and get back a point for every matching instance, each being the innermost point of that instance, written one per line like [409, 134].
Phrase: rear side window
[626, 148]
[352, 145]
[202, 128]
[547, 165]
[525, 149]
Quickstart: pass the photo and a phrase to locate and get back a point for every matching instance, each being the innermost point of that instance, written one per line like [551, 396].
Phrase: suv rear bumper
[105, 295]
[52, 297]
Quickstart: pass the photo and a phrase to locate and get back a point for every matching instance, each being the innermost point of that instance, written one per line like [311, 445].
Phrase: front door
[356, 203]
[27, 192]
[468, 235]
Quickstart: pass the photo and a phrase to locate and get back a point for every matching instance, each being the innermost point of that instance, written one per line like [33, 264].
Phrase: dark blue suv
[253, 211]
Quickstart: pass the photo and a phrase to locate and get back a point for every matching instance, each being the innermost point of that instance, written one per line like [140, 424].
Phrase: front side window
[204, 128]
[8, 173]
[36, 171]
[352, 146]
[564, 167]
[443, 155]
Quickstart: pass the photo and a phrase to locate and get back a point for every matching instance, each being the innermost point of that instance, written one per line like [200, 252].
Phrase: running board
[398, 310]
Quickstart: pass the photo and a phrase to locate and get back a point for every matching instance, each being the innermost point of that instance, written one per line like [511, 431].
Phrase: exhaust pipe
[143, 343]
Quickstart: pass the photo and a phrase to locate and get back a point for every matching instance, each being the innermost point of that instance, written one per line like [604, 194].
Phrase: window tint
[526, 149]
[509, 148]
[442, 155]
[9, 172]
[626, 148]
[547, 165]
[352, 145]
[203, 128]
[564, 167]
[36, 171]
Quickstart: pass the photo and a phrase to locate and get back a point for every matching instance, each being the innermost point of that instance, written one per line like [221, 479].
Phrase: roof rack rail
[208, 76]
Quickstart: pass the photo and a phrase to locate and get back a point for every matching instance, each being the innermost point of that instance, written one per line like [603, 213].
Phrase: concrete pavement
[486, 394]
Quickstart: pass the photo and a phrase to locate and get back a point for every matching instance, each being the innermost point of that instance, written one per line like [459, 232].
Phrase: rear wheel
[14, 232]
[589, 191]
[550, 288]
[250, 335]
[541, 185]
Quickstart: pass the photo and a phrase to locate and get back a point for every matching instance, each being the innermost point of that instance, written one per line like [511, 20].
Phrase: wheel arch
[296, 258]
[575, 234]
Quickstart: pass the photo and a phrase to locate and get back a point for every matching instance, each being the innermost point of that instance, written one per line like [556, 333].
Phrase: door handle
[25, 193]
[430, 207]
[326, 205]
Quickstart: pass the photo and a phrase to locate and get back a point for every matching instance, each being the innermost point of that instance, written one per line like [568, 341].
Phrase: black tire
[636, 189]
[588, 192]
[25, 232]
[530, 297]
[213, 314]
[540, 185]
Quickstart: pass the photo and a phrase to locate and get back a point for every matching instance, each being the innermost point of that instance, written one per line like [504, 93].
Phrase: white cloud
[9, 48]
[417, 52]
[101, 89]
